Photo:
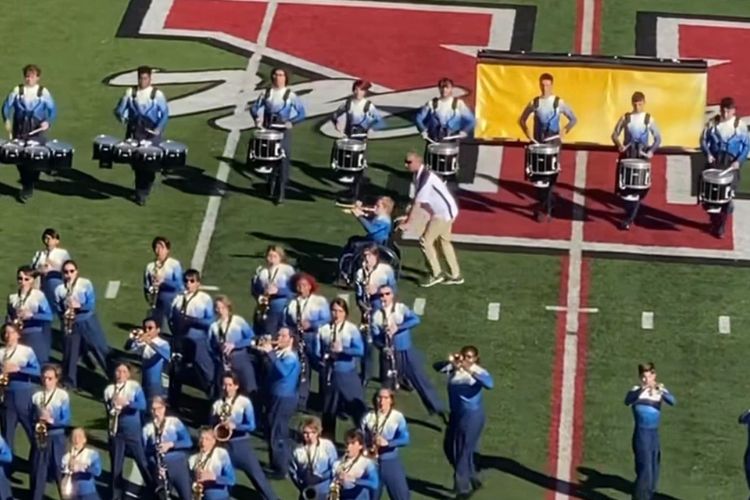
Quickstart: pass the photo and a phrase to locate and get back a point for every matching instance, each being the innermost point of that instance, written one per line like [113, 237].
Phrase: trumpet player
[355, 475]
[28, 308]
[311, 468]
[385, 431]
[337, 347]
[229, 338]
[125, 403]
[646, 400]
[80, 466]
[162, 280]
[305, 314]
[376, 222]
[19, 371]
[234, 416]
[48, 262]
[6, 460]
[75, 298]
[167, 442]
[270, 288]
[466, 380]
[211, 469]
[51, 413]
[155, 353]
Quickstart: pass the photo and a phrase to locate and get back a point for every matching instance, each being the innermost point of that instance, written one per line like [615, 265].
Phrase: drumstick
[35, 131]
[431, 141]
[552, 138]
[451, 137]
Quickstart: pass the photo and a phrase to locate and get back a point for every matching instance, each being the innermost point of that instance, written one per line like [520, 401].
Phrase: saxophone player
[167, 442]
[51, 408]
[241, 422]
[80, 466]
[28, 307]
[229, 338]
[270, 288]
[311, 468]
[162, 280]
[155, 353]
[211, 469]
[48, 262]
[385, 431]
[355, 475]
[6, 462]
[125, 402]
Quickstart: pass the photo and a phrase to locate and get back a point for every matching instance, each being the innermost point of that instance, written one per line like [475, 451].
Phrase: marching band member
[29, 309]
[445, 116]
[337, 346]
[190, 318]
[211, 468]
[281, 109]
[745, 420]
[635, 126]
[305, 314]
[80, 466]
[6, 460]
[466, 379]
[51, 412]
[166, 442]
[392, 325]
[430, 193]
[547, 109]
[385, 431]
[270, 287]
[646, 400]
[20, 370]
[229, 337]
[75, 300]
[33, 110]
[155, 353]
[125, 402]
[355, 475]
[162, 280]
[376, 221]
[726, 143]
[144, 111]
[283, 380]
[235, 416]
[48, 263]
[311, 468]
[360, 115]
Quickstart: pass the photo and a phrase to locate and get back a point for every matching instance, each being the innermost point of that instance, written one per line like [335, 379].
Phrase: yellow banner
[598, 96]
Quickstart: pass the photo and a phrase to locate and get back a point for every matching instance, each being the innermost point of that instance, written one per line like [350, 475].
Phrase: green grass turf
[702, 444]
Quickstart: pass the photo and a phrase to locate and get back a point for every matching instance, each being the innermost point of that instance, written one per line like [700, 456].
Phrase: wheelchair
[350, 262]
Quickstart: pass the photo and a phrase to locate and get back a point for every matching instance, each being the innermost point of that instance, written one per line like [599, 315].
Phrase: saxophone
[153, 289]
[390, 353]
[197, 487]
[301, 350]
[4, 377]
[41, 431]
[18, 310]
[264, 301]
[69, 316]
[114, 413]
[222, 430]
[66, 484]
[334, 493]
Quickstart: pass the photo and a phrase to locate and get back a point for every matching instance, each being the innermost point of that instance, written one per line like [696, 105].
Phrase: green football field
[109, 236]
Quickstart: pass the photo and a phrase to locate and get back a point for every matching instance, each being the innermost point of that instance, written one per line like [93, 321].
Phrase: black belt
[20, 377]
[239, 434]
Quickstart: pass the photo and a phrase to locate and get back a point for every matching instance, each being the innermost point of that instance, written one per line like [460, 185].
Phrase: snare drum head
[149, 151]
[348, 144]
[715, 176]
[268, 135]
[635, 163]
[543, 149]
[59, 146]
[443, 148]
[126, 146]
[106, 139]
[172, 146]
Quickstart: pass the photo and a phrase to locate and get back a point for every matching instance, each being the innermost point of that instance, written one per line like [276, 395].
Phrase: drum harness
[274, 116]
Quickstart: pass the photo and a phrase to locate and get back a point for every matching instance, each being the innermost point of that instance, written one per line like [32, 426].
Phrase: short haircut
[52, 367]
[546, 77]
[638, 96]
[161, 239]
[144, 70]
[32, 68]
[388, 203]
[25, 269]
[193, 273]
[354, 435]
[646, 367]
[445, 82]
[286, 73]
[727, 103]
[338, 301]
[361, 85]
[50, 232]
[313, 422]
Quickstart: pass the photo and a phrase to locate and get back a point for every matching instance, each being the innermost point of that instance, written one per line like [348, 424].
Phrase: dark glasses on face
[68, 271]
[190, 280]
[24, 278]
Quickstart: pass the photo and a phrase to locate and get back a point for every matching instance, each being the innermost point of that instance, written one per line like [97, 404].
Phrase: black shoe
[24, 195]
[538, 215]
[624, 225]
[444, 417]
[476, 483]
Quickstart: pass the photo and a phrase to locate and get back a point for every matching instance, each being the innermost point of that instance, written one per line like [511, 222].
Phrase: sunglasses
[190, 280]
[149, 328]
[24, 278]
[69, 271]
[386, 293]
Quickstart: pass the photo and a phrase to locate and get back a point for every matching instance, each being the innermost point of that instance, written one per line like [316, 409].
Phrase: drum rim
[438, 147]
[277, 134]
[714, 176]
[635, 162]
[543, 148]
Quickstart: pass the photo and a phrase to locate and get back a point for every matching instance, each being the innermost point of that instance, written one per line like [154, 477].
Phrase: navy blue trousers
[89, 331]
[244, 459]
[40, 341]
[747, 466]
[195, 350]
[5, 491]
[344, 394]
[461, 441]
[45, 463]
[178, 473]
[127, 441]
[410, 363]
[18, 409]
[647, 452]
[280, 413]
[393, 479]
[162, 309]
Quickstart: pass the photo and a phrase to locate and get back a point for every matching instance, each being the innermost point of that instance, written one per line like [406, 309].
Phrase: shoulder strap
[20, 89]
[647, 119]
[736, 122]
[133, 91]
[287, 93]
[368, 105]
[348, 104]
[717, 119]
[40, 91]
[454, 104]
[153, 93]
[434, 103]
[268, 93]
[556, 103]
[536, 103]
[626, 119]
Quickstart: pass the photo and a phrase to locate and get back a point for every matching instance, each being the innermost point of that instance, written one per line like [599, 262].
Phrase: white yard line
[725, 325]
[647, 320]
[493, 311]
[587, 37]
[112, 288]
[419, 304]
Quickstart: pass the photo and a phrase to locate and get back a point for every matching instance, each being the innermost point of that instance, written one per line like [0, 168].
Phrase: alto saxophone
[4, 377]
[66, 484]
[197, 487]
[153, 289]
[334, 493]
[69, 316]
[222, 430]
[41, 434]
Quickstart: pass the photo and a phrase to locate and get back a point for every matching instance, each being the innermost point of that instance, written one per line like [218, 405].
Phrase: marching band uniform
[6, 459]
[366, 484]
[46, 461]
[392, 427]
[18, 393]
[176, 459]
[86, 328]
[51, 260]
[283, 380]
[280, 276]
[190, 318]
[280, 106]
[364, 281]
[36, 331]
[171, 285]
[155, 354]
[466, 422]
[341, 386]
[646, 405]
[745, 420]
[442, 117]
[239, 333]
[219, 463]
[84, 483]
[312, 466]
[409, 361]
[239, 447]
[128, 435]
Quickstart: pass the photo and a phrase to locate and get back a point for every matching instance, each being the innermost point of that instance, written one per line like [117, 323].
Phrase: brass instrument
[334, 493]
[197, 487]
[390, 354]
[41, 434]
[69, 316]
[4, 381]
[263, 303]
[222, 430]
[456, 359]
[263, 341]
[153, 289]
[66, 484]
[310, 493]
[114, 413]
[137, 334]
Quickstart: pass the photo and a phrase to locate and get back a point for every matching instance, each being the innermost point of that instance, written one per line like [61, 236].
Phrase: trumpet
[263, 341]
[365, 209]
[137, 334]
[222, 430]
[66, 484]
[153, 289]
[456, 358]
[41, 434]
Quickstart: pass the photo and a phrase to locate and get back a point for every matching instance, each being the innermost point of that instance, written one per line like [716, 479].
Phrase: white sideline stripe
[419, 304]
[112, 288]
[679, 180]
[580, 309]
[587, 37]
[647, 320]
[725, 325]
[493, 311]
[230, 148]
[487, 174]
[344, 296]
[209, 288]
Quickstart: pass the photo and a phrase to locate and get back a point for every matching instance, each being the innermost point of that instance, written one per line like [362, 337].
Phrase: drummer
[726, 144]
[28, 112]
[635, 126]
[547, 109]
[445, 118]
[144, 111]
[360, 116]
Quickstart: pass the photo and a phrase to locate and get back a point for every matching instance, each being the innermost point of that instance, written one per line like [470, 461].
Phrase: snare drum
[442, 158]
[266, 145]
[634, 173]
[61, 155]
[149, 157]
[35, 156]
[11, 151]
[542, 159]
[125, 151]
[716, 187]
[175, 154]
[349, 155]
[104, 149]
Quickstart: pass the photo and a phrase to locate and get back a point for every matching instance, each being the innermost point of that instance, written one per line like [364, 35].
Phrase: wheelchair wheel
[345, 266]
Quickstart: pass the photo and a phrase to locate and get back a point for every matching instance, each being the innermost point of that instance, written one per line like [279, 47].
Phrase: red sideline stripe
[579, 27]
[596, 39]
[580, 400]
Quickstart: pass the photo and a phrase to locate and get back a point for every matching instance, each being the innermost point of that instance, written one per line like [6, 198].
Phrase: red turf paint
[240, 19]
[596, 40]
[580, 399]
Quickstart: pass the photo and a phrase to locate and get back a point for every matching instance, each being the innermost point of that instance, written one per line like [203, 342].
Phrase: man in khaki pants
[431, 194]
